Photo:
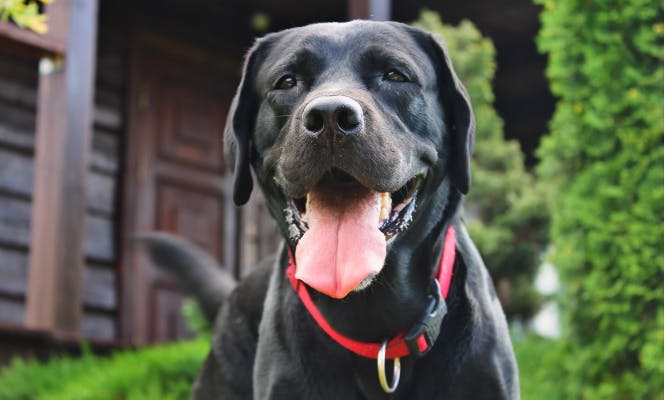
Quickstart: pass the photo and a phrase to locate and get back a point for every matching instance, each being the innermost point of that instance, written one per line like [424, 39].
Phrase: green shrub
[159, 372]
[604, 159]
[507, 217]
[539, 367]
[195, 319]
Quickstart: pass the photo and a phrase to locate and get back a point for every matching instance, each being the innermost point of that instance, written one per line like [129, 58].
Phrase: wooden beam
[52, 43]
[64, 126]
[377, 10]
[14, 36]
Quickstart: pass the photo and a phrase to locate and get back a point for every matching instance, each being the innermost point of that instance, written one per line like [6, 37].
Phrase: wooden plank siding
[63, 141]
[101, 273]
[99, 308]
[18, 92]
[258, 233]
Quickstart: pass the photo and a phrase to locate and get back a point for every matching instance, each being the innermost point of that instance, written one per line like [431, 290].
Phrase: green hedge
[510, 220]
[540, 372]
[161, 372]
[604, 160]
[167, 372]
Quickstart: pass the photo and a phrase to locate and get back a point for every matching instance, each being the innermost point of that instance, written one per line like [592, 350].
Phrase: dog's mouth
[396, 209]
[341, 229]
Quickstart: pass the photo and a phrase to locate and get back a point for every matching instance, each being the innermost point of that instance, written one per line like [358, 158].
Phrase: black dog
[360, 136]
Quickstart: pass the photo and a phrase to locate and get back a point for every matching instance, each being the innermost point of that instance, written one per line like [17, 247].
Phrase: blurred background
[111, 115]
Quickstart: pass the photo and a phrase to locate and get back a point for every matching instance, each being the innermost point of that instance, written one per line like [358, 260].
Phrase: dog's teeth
[297, 225]
[294, 233]
[288, 216]
[385, 206]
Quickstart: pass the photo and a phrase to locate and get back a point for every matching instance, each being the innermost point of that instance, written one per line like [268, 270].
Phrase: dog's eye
[395, 76]
[286, 82]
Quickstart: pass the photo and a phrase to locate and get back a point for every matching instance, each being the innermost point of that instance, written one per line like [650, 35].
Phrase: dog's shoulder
[227, 372]
[491, 357]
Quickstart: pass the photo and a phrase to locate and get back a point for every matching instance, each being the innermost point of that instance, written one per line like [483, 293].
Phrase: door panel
[191, 213]
[190, 124]
[175, 178]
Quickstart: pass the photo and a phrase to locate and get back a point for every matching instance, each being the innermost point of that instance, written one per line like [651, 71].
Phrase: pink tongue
[343, 245]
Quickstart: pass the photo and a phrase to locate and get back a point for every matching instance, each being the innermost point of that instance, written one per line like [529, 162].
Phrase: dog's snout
[339, 116]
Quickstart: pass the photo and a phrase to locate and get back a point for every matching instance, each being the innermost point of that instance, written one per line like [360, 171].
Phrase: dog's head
[352, 129]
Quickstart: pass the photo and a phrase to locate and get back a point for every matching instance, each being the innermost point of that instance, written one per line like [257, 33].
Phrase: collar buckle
[422, 336]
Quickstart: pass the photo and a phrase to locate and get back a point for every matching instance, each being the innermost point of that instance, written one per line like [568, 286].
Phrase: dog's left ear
[240, 123]
[459, 112]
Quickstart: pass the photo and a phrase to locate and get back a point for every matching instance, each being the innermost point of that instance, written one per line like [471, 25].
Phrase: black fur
[266, 345]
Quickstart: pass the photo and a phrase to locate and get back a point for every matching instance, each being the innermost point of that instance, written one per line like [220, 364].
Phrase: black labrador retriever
[360, 137]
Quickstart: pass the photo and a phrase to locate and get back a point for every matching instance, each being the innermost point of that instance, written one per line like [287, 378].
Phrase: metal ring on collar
[396, 370]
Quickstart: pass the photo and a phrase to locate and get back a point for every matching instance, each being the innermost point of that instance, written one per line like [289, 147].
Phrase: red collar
[404, 343]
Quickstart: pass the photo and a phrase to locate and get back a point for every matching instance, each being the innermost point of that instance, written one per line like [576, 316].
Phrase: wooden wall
[18, 90]
[256, 236]
[259, 234]
[100, 289]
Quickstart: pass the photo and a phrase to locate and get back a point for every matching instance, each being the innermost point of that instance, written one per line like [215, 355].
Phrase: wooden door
[174, 177]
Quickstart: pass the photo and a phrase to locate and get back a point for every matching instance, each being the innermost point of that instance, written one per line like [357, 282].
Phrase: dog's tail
[198, 273]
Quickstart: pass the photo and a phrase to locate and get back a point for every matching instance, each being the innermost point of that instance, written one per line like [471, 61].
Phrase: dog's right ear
[457, 106]
[240, 123]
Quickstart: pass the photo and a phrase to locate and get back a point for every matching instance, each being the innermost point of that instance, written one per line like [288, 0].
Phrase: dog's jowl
[360, 137]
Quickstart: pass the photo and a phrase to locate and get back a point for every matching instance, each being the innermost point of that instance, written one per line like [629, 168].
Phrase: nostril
[337, 116]
[348, 120]
[313, 121]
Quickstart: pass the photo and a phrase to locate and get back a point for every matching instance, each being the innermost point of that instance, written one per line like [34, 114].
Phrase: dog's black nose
[339, 116]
